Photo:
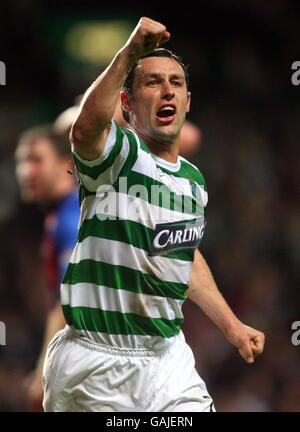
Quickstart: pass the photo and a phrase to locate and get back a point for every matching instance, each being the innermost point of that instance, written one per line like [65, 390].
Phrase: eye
[151, 83]
[177, 83]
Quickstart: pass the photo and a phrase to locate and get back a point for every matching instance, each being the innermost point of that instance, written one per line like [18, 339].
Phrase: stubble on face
[159, 83]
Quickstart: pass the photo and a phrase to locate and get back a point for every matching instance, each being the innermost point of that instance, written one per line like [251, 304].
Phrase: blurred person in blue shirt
[43, 168]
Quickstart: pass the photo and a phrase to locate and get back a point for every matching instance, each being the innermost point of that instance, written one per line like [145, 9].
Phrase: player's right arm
[90, 130]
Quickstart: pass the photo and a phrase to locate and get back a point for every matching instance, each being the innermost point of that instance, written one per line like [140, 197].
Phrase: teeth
[166, 111]
[167, 108]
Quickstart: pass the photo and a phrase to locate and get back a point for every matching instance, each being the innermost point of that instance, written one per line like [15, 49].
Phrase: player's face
[160, 99]
[37, 169]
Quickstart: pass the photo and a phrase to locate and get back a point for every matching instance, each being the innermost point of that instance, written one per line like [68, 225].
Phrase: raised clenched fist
[146, 36]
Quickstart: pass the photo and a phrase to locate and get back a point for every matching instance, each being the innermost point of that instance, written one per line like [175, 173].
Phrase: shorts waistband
[107, 349]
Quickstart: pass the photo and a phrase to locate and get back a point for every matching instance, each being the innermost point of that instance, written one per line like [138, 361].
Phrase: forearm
[100, 100]
[89, 131]
[204, 292]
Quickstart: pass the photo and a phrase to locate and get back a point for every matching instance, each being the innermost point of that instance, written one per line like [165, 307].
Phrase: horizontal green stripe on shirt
[120, 277]
[91, 319]
[126, 231]
[157, 193]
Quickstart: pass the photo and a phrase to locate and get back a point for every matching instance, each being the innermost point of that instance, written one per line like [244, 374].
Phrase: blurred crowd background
[239, 56]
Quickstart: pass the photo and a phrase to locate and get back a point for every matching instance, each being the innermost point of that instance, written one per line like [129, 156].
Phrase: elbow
[83, 134]
[76, 135]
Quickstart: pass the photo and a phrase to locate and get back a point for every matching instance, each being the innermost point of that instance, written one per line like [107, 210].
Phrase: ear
[125, 101]
[188, 104]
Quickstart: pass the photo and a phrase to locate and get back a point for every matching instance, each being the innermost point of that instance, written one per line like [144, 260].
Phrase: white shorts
[80, 375]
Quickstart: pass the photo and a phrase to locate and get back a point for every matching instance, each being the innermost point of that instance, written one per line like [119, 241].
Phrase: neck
[165, 148]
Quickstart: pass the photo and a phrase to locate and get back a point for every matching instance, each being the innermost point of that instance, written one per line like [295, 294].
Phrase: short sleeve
[106, 168]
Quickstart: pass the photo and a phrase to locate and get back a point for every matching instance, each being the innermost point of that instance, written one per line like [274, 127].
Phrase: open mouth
[166, 113]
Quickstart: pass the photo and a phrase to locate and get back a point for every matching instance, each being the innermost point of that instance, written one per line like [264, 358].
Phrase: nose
[167, 91]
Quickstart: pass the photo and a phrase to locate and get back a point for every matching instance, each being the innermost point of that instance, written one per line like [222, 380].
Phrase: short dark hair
[59, 142]
[158, 52]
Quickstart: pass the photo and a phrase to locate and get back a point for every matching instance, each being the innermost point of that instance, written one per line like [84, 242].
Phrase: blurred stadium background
[240, 56]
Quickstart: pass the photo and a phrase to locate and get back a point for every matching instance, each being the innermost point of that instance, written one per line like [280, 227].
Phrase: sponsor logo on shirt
[175, 237]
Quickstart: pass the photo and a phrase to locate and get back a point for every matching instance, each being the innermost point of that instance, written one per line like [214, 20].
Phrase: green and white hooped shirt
[141, 220]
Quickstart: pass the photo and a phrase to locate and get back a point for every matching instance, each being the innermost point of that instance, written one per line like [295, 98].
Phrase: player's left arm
[204, 292]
